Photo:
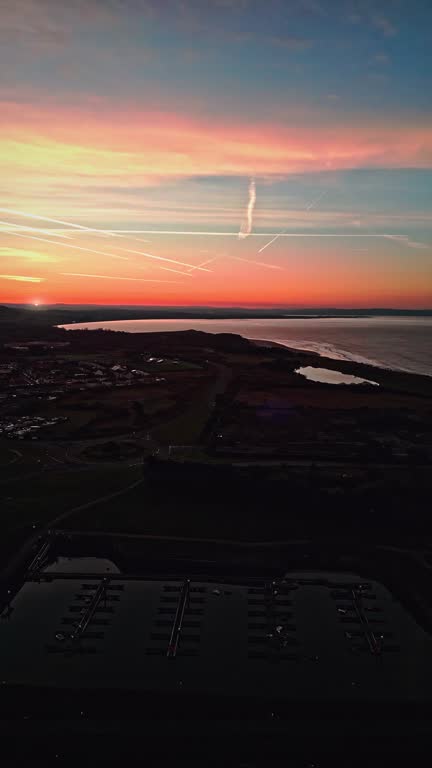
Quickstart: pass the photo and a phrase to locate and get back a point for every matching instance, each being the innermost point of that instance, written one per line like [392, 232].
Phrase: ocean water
[399, 343]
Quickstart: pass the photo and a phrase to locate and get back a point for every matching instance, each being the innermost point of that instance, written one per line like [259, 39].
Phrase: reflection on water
[326, 376]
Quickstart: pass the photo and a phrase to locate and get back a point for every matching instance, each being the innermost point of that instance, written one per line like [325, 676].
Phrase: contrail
[314, 202]
[54, 221]
[200, 266]
[246, 227]
[98, 231]
[177, 271]
[271, 241]
[109, 233]
[258, 263]
[66, 245]
[115, 277]
[103, 253]
[167, 269]
[222, 234]
[161, 258]
[138, 239]
[311, 205]
[36, 229]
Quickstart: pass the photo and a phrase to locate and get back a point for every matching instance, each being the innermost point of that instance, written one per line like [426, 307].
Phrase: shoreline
[340, 357]
[313, 353]
[385, 376]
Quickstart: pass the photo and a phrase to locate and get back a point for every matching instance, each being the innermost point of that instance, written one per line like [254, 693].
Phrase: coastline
[391, 378]
[389, 349]
[385, 377]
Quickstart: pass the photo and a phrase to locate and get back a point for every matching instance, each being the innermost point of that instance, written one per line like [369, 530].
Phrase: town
[33, 376]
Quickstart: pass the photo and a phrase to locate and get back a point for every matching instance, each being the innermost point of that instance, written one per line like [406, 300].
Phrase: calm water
[391, 342]
[326, 376]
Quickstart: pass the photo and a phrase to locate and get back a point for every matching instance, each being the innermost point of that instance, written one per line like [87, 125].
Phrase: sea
[398, 343]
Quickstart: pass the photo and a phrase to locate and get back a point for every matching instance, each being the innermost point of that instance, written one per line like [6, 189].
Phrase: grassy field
[187, 426]
[135, 512]
[36, 500]
[257, 514]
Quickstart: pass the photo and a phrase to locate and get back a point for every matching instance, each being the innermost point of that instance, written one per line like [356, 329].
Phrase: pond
[327, 376]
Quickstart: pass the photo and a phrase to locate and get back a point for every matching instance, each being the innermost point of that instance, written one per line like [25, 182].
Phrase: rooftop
[306, 636]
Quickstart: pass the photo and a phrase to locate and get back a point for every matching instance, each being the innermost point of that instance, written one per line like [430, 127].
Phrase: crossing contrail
[311, 205]
[97, 231]
[203, 264]
[246, 227]
[103, 253]
[162, 258]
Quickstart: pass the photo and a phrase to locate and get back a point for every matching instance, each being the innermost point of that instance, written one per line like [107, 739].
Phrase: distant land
[17, 320]
[53, 314]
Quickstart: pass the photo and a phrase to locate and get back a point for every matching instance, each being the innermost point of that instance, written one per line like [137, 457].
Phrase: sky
[216, 152]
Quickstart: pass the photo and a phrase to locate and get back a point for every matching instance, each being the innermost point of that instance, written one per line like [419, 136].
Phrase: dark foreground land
[192, 531]
[215, 437]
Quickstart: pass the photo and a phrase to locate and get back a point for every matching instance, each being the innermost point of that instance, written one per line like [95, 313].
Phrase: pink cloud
[124, 142]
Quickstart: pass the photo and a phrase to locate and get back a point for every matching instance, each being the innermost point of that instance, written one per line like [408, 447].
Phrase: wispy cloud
[384, 24]
[289, 42]
[20, 253]
[380, 58]
[371, 14]
[22, 278]
[31, 22]
[405, 240]
[87, 173]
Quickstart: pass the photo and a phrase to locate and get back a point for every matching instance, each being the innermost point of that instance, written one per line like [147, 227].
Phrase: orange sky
[290, 272]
